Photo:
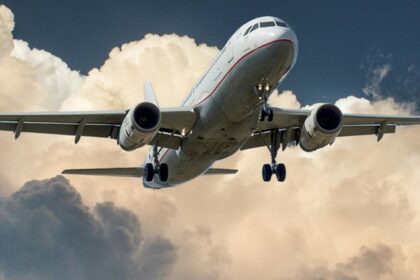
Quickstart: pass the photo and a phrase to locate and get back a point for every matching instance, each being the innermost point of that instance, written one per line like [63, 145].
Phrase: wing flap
[283, 118]
[106, 131]
[359, 130]
[362, 119]
[95, 117]
[178, 119]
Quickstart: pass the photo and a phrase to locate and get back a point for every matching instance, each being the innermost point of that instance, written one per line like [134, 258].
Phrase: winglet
[149, 94]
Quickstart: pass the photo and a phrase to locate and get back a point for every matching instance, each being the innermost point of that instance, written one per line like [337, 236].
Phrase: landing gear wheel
[270, 115]
[149, 172]
[163, 172]
[267, 173]
[281, 172]
[273, 146]
[263, 114]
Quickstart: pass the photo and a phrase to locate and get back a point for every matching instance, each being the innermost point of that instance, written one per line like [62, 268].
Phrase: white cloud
[52, 74]
[374, 79]
[7, 25]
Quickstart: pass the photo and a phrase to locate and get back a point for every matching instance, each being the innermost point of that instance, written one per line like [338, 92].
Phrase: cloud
[378, 261]
[377, 67]
[7, 24]
[48, 233]
[30, 78]
[374, 79]
[349, 210]
[388, 77]
[119, 82]
[52, 74]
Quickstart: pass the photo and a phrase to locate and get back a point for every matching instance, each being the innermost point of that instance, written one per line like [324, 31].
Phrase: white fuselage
[225, 100]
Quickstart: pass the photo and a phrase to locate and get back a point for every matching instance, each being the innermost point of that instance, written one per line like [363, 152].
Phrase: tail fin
[149, 93]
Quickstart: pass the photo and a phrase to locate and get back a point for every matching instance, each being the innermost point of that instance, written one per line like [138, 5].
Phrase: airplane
[226, 111]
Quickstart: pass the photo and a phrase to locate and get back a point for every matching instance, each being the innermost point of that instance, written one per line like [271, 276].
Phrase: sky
[348, 211]
[340, 41]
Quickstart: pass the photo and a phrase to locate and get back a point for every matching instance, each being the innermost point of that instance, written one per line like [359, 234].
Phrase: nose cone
[285, 34]
[280, 33]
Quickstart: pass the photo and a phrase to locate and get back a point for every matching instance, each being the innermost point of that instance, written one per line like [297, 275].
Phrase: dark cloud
[370, 263]
[46, 232]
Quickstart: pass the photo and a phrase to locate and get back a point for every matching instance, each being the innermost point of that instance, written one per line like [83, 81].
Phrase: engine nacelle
[321, 127]
[139, 126]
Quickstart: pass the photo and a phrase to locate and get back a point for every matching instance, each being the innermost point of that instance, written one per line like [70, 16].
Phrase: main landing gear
[157, 168]
[269, 169]
[263, 92]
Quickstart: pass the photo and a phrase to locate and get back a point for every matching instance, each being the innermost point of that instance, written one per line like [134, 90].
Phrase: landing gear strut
[157, 168]
[263, 93]
[269, 169]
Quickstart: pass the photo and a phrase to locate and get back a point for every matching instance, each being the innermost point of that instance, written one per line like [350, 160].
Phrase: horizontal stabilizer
[220, 171]
[134, 171]
[120, 172]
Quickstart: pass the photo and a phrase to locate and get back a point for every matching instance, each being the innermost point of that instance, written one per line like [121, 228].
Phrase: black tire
[149, 172]
[270, 115]
[262, 115]
[267, 172]
[163, 172]
[281, 172]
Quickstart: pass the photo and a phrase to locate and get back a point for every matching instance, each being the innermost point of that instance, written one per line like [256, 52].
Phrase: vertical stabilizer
[149, 94]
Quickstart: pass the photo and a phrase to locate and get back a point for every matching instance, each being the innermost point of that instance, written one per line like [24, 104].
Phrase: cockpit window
[267, 24]
[254, 27]
[247, 30]
[280, 23]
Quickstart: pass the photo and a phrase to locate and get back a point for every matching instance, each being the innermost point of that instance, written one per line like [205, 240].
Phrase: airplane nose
[284, 33]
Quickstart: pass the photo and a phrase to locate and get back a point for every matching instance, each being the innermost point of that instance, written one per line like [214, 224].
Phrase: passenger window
[247, 31]
[279, 23]
[267, 24]
[254, 27]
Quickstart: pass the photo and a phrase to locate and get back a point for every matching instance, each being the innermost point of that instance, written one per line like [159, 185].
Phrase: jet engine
[321, 127]
[139, 127]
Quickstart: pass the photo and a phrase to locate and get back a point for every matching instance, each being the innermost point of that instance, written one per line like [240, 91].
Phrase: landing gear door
[229, 52]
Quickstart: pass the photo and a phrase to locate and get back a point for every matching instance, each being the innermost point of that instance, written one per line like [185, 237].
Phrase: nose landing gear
[263, 92]
[151, 170]
[269, 169]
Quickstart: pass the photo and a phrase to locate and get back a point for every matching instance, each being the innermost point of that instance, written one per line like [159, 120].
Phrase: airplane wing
[134, 171]
[291, 121]
[105, 124]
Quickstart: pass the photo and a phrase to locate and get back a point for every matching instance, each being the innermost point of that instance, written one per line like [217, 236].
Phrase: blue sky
[341, 42]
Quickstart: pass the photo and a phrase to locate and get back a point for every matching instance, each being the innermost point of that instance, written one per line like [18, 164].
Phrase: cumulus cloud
[52, 74]
[7, 24]
[48, 233]
[349, 211]
[177, 61]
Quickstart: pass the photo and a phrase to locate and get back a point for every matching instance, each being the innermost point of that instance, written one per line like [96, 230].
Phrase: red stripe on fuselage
[239, 60]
